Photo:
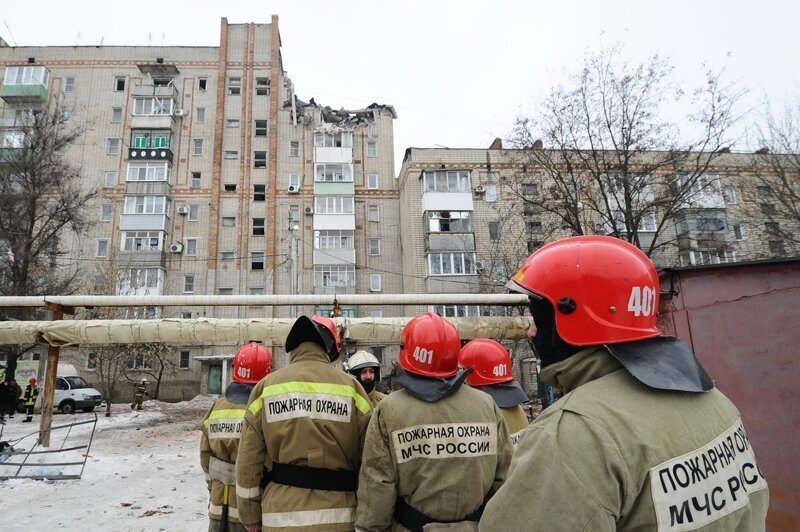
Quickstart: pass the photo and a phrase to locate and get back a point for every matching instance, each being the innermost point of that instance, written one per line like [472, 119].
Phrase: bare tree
[42, 204]
[614, 164]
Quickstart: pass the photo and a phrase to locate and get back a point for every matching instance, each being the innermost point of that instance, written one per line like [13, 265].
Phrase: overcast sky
[457, 72]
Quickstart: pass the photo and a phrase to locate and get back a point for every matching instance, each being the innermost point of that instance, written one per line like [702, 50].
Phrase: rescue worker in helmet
[139, 393]
[641, 440]
[491, 373]
[222, 427]
[435, 450]
[306, 423]
[367, 370]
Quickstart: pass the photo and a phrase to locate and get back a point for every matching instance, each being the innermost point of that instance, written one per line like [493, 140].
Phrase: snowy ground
[143, 473]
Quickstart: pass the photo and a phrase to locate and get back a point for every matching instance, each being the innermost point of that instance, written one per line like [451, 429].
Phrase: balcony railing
[25, 84]
[450, 242]
[144, 222]
[334, 256]
[149, 258]
[147, 188]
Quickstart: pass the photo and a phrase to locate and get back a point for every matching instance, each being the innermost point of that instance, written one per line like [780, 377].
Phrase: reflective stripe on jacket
[307, 414]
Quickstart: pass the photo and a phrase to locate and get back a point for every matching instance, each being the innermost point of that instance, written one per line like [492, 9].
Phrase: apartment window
[764, 192]
[456, 311]
[147, 171]
[145, 204]
[256, 291]
[202, 83]
[143, 277]
[259, 159]
[225, 291]
[66, 114]
[141, 240]
[110, 178]
[231, 154]
[294, 148]
[232, 122]
[91, 361]
[119, 83]
[531, 209]
[333, 172]
[194, 212]
[257, 260]
[768, 209]
[374, 246]
[529, 189]
[372, 148]
[373, 214]
[259, 192]
[333, 239]
[229, 187]
[738, 231]
[772, 228]
[375, 314]
[112, 147]
[374, 282]
[730, 194]
[188, 284]
[201, 115]
[451, 264]
[334, 276]
[333, 204]
[258, 226]
[102, 247]
[342, 139]
[776, 247]
[227, 256]
[153, 106]
[533, 245]
[234, 86]
[294, 180]
[105, 212]
[261, 128]
[186, 315]
[183, 360]
[294, 213]
[446, 181]
[372, 181]
[228, 221]
[69, 84]
[494, 231]
[116, 115]
[262, 86]
[377, 350]
[533, 227]
[197, 146]
[449, 221]
[140, 362]
[191, 247]
[196, 180]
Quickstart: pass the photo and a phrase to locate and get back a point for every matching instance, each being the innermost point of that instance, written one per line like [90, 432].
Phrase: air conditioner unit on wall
[293, 189]
[309, 210]
[480, 189]
[180, 112]
[176, 248]
[183, 210]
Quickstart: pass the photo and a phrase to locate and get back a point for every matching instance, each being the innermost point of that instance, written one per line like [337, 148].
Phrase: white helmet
[361, 360]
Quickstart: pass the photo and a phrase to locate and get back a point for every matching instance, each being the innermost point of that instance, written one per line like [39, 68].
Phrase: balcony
[450, 242]
[339, 188]
[144, 222]
[25, 85]
[333, 155]
[455, 284]
[158, 91]
[335, 290]
[345, 222]
[151, 259]
[447, 201]
[15, 154]
[334, 256]
[710, 240]
[147, 188]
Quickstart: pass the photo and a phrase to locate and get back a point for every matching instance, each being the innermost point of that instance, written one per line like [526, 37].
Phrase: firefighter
[31, 392]
[139, 393]
[366, 368]
[222, 428]
[306, 423]
[435, 450]
[641, 440]
[491, 373]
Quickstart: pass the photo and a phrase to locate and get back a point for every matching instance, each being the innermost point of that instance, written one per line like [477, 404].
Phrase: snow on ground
[143, 472]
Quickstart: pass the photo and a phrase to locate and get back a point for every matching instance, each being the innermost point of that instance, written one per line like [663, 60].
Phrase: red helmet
[490, 362]
[317, 329]
[604, 290]
[32, 381]
[251, 363]
[429, 346]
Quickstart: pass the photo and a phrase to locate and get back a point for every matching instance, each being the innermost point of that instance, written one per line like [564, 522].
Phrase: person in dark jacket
[31, 392]
[17, 394]
[6, 400]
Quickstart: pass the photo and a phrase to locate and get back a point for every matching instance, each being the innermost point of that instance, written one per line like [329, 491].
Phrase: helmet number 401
[642, 301]
[422, 355]
[500, 370]
[243, 372]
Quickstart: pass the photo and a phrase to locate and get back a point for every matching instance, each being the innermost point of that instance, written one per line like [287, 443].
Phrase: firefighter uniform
[516, 421]
[138, 396]
[307, 423]
[440, 458]
[31, 392]
[219, 444]
[635, 457]
[375, 397]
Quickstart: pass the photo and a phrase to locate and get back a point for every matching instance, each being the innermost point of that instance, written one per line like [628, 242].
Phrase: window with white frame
[294, 180]
[259, 192]
[373, 213]
[256, 260]
[259, 159]
[456, 263]
[372, 148]
[341, 139]
[231, 154]
[376, 313]
[110, 178]
[294, 148]
[194, 212]
[201, 115]
[69, 84]
[145, 204]
[227, 256]
[333, 172]
[730, 194]
[258, 227]
[102, 247]
[232, 122]
[261, 128]
[372, 181]
[188, 284]
[449, 221]
[183, 360]
[529, 189]
[346, 312]
[105, 212]
[27, 75]
[374, 246]
[739, 231]
[191, 247]
[140, 362]
[333, 205]
[196, 180]
[147, 171]
[375, 282]
[294, 213]
[262, 86]
[334, 276]
[333, 239]
[143, 277]
[446, 181]
[228, 221]
[234, 86]
[197, 146]
[153, 106]
[112, 146]
[647, 223]
[142, 240]
[116, 115]
[456, 311]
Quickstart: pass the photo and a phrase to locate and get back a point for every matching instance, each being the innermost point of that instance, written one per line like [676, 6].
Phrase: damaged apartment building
[213, 178]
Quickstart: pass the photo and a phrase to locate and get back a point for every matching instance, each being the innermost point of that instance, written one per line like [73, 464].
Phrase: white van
[74, 393]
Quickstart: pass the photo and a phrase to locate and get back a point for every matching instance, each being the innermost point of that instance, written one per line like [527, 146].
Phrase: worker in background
[139, 393]
[435, 450]
[306, 423]
[641, 440]
[31, 392]
[491, 373]
[366, 368]
[222, 428]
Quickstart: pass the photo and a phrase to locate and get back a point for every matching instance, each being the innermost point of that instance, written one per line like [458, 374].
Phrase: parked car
[72, 393]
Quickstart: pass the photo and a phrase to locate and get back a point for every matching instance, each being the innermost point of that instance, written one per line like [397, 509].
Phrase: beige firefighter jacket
[443, 458]
[613, 454]
[307, 414]
[375, 397]
[219, 444]
[517, 422]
